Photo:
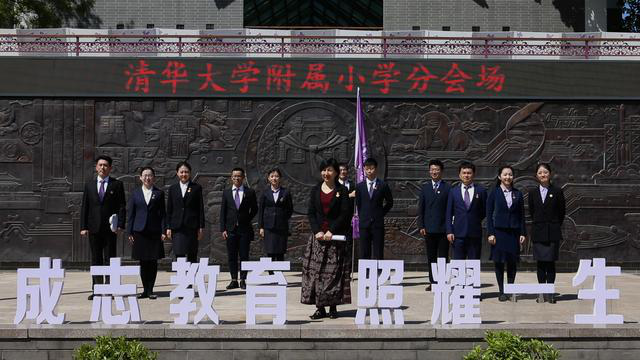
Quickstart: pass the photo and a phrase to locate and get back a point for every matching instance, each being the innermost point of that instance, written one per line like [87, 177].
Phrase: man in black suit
[343, 177]
[103, 197]
[185, 214]
[432, 207]
[239, 206]
[373, 200]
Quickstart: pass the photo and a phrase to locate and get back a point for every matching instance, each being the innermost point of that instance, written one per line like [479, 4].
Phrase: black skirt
[275, 241]
[147, 246]
[184, 241]
[546, 252]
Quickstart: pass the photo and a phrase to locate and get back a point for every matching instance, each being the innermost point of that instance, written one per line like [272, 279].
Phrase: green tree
[48, 14]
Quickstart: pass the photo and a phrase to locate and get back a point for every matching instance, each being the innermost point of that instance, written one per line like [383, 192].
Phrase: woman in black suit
[506, 227]
[145, 228]
[547, 209]
[325, 266]
[276, 208]
[185, 214]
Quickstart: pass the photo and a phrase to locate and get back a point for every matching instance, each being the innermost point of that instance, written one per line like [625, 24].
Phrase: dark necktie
[467, 198]
[370, 190]
[101, 191]
[237, 198]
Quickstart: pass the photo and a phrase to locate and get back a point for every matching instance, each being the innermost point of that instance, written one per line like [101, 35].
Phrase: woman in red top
[325, 267]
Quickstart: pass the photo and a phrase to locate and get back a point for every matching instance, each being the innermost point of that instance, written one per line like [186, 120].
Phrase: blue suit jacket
[143, 217]
[371, 211]
[499, 215]
[432, 207]
[460, 221]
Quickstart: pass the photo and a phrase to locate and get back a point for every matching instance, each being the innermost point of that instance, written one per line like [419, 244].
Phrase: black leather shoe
[319, 314]
[143, 296]
[552, 299]
[333, 312]
[503, 298]
[243, 285]
[428, 288]
[153, 296]
[233, 285]
[90, 297]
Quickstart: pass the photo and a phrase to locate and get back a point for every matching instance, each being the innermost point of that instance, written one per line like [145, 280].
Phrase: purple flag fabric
[360, 156]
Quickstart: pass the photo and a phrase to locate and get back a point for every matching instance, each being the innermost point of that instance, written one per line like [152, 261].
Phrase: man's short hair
[238, 169]
[105, 158]
[467, 165]
[371, 162]
[436, 162]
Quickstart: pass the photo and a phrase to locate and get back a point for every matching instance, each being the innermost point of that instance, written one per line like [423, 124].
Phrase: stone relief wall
[47, 149]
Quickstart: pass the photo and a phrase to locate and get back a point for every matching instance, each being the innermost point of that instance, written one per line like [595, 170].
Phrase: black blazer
[143, 217]
[188, 212]
[339, 216]
[371, 211]
[94, 215]
[499, 215]
[432, 206]
[232, 218]
[274, 215]
[547, 218]
[352, 187]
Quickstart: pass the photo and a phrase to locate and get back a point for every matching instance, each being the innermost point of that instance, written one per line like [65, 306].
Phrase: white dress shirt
[240, 192]
[507, 195]
[371, 183]
[346, 183]
[276, 193]
[543, 193]
[183, 187]
[435, 185]
[106, 183]
[471, 191]
[147, 194]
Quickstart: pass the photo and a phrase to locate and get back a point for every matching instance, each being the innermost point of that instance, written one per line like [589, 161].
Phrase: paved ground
[417, 302]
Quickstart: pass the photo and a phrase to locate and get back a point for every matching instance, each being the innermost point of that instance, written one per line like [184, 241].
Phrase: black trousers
[276, 257]
[238, 246]
[372, 238]
[512, 268]
[437, 247]
[148, 273]
[103, 247]
[546, 272]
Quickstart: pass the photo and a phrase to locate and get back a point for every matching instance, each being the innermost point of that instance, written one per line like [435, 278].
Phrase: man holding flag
[373, 197]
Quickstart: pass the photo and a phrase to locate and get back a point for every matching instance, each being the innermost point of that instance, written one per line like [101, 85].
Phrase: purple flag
[360, 156]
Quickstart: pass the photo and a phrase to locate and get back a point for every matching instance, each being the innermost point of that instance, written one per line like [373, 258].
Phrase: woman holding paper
[146, 229]
[547, 209]
[325, 266]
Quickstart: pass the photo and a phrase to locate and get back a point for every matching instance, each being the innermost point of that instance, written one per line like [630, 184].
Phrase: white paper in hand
[339, 237]
[113, 222]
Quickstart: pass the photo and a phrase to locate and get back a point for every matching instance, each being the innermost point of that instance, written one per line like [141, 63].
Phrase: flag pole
[360, 155]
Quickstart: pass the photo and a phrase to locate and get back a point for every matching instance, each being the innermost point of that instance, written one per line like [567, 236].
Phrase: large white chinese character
[456, 292]
[101, 306]
[599, 293]
[266, 299]
[380, 292]
[188, 278]
[42, 298]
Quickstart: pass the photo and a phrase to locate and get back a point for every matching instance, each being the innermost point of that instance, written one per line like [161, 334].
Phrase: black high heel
[320, 313]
